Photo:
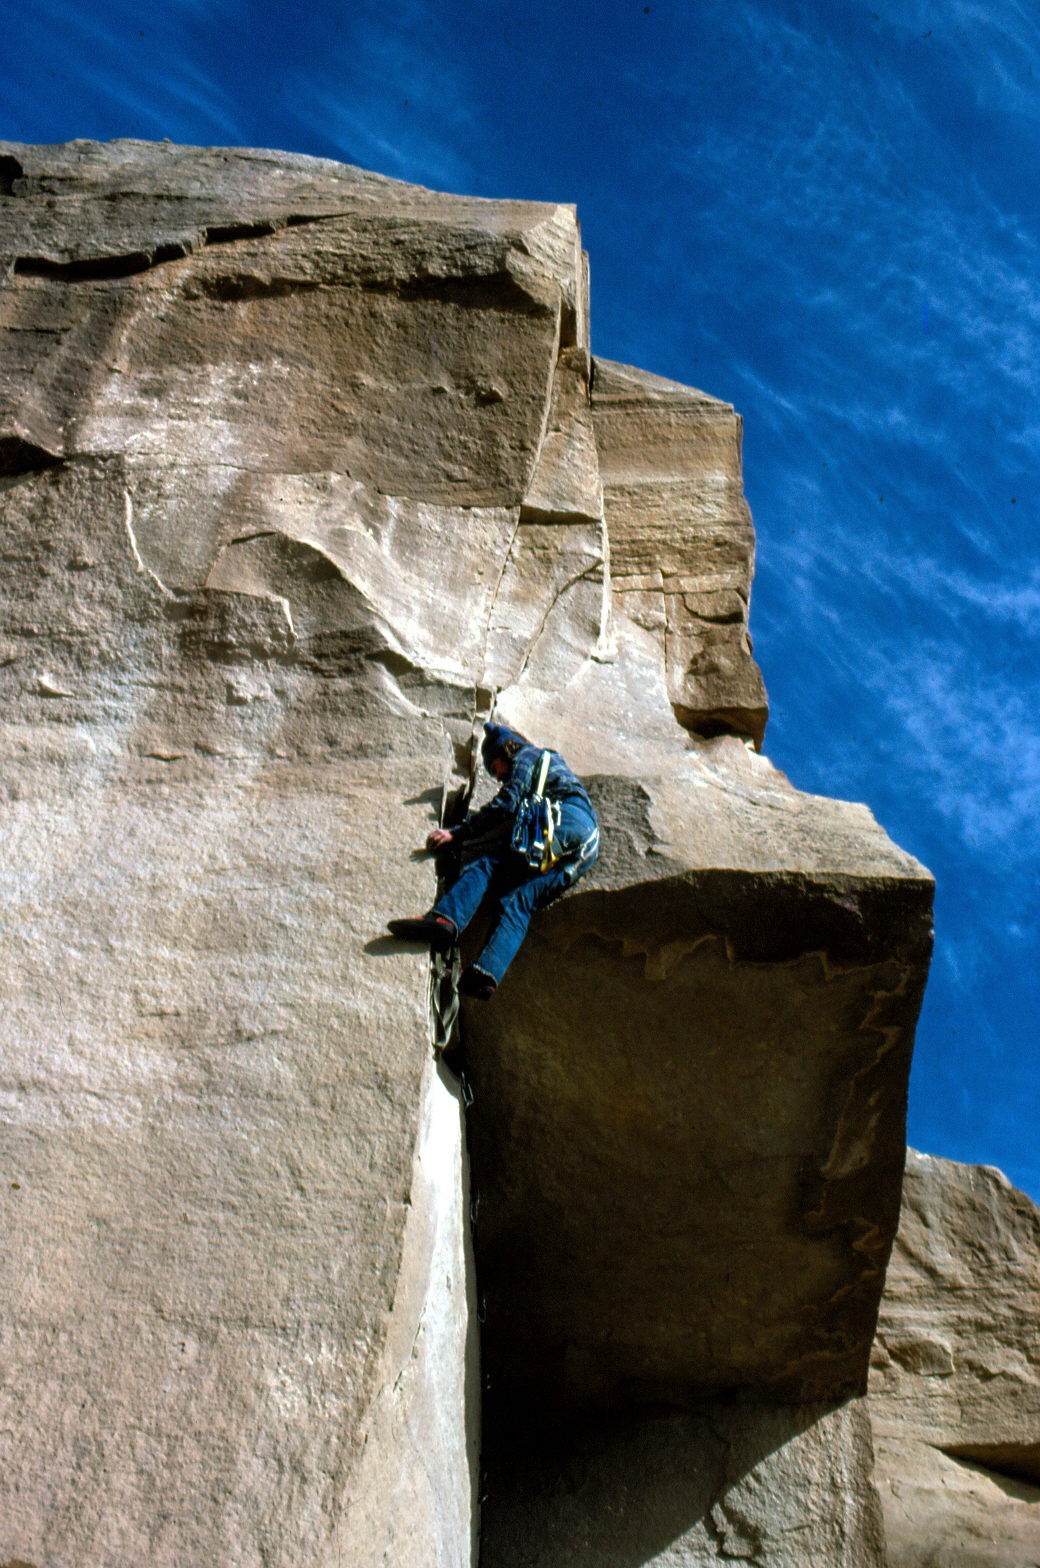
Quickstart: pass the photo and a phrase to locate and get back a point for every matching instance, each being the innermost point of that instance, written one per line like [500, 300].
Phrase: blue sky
[828, 214]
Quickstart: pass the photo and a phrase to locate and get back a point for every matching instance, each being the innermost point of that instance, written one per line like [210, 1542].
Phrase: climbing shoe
[438, 930]
[474, 982]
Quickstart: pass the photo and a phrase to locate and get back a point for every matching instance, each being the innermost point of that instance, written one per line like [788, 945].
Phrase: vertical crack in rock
[421, 1439]
[559, 594]
[489, 618]
[128, 517]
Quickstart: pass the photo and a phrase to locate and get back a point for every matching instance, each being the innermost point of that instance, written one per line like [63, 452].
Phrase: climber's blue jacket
[494, 819]
[519, 889]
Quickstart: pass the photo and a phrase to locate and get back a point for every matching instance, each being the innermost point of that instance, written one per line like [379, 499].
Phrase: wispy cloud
[891, 368]
[406, 148]
[393, 96]
[136, 70]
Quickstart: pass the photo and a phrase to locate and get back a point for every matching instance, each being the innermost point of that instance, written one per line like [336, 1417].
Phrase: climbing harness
[536, 822]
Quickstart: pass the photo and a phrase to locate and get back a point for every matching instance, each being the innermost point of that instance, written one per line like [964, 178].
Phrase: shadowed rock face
[304, 473]
[955, 1371]
[689, 1094]
[774, 1484]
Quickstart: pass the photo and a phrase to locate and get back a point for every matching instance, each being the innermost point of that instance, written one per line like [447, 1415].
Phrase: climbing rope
[445, 969]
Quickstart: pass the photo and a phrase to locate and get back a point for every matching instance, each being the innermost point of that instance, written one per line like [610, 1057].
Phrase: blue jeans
[519, 889]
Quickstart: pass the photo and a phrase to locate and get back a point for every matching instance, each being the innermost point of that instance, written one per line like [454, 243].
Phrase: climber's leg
[578, 838]
[450, 915]
[462, 900]
[516, 906]
[522, 891]
[474, 982]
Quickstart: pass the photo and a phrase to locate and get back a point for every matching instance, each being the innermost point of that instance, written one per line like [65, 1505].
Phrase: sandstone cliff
[304, 473]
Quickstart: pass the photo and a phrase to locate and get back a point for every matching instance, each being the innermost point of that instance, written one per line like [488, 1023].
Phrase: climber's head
[498, 749]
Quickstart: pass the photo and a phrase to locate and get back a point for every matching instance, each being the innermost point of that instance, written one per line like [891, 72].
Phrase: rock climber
[519, 888]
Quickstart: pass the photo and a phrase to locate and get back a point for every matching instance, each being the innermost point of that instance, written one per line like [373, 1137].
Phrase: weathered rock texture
[305, 472]
[674, 1103]
[777, 1485]
[681, 541]
[955, 1372]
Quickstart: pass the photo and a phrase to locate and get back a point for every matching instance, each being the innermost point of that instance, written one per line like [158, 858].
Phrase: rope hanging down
[445, 969]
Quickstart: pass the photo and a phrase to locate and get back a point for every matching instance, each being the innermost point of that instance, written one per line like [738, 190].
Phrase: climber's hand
[438, 839]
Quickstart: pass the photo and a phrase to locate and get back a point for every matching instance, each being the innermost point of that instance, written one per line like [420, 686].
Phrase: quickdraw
[536, 822]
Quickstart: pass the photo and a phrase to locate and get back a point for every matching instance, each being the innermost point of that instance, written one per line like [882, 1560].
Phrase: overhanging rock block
[687, 1135]
[682, 545]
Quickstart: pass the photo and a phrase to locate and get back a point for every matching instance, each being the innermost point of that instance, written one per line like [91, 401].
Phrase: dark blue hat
[494, 742]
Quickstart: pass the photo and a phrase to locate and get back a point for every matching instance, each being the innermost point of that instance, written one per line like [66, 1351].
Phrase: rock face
[677, 1101]
[955, 1372]
[779, 1485]
[305, 473]
[681, 542]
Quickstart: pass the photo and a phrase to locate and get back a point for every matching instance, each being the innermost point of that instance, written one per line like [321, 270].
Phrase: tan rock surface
[681, 540]
[953, 1512]
[279, 343]
[212, 1094]
[566, 484]
[301, 477]
[955, 1372]
[235, 1298]
[957, 1359]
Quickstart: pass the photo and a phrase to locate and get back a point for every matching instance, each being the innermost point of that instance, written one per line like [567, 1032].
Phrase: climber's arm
[496, 814]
